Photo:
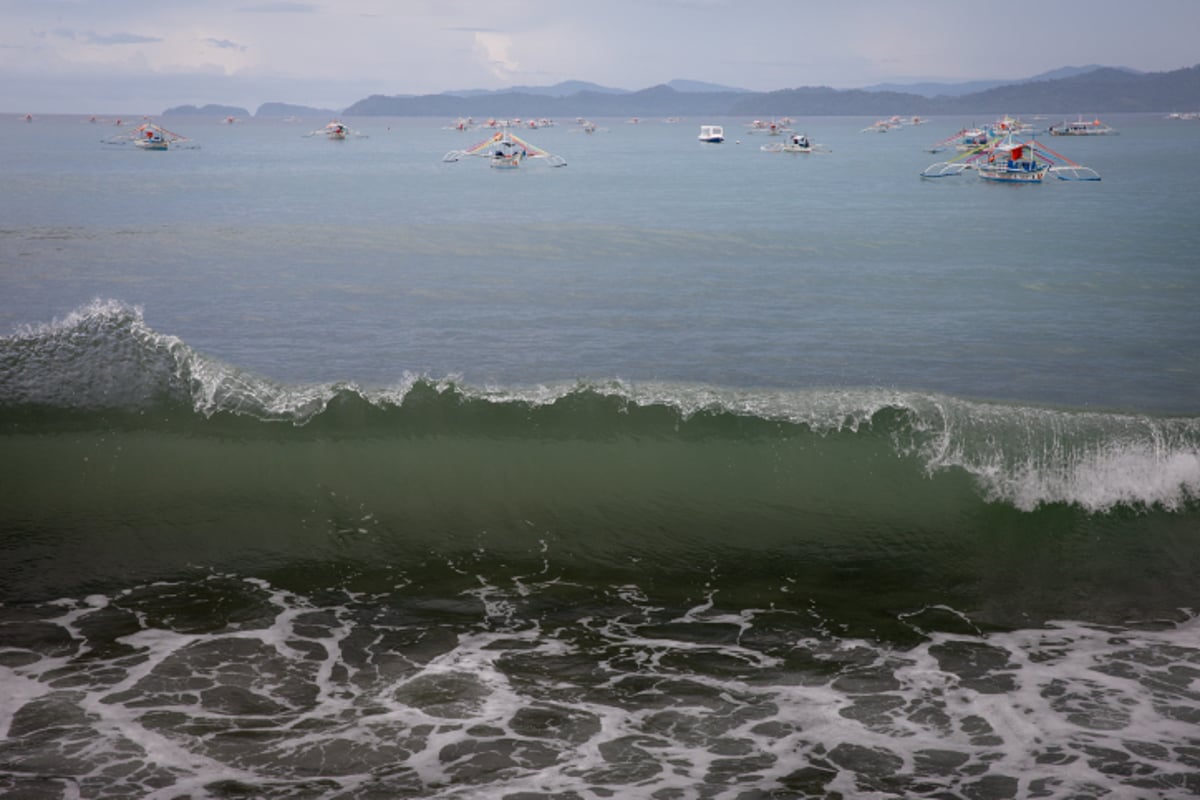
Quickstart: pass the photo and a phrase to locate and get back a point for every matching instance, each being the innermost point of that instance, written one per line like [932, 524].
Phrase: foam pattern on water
[503, 692]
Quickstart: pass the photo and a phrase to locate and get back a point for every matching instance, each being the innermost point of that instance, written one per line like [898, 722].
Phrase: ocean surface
[329, 469]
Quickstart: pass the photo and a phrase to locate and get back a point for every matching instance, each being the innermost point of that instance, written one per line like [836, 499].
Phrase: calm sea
[333, 470]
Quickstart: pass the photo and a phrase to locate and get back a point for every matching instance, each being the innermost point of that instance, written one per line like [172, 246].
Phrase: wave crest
[104, 358]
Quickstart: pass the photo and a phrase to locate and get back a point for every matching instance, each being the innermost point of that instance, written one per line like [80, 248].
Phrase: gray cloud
[280, 7]
[225, 44]
[91, 37]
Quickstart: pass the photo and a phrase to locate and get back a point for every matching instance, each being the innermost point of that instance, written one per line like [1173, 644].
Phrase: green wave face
[129, 455]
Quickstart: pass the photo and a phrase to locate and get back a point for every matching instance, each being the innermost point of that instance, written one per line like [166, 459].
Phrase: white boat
[1081, 127]
[972, 139]
[771, 128]
[711, 133]
[149, 136]
[151, 139]
[1012, 162]
[507, 154]
[506, 150]
[336, 131]
[796, 143]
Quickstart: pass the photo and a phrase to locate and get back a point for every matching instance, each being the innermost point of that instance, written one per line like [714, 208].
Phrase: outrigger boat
[772, 128]
[1010, 161]
[969, 140]
[796, 143]
[336, 131]
[506, 150]
[966, 140]
[587, 126]
[149, 136]
[1081, 127]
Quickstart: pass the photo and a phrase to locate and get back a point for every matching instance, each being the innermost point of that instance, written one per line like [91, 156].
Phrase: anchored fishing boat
[714, 134]
[1010, 161]
[796, 143]
[771, 127]
[1081, 127]
[336, 131]
[148, 136]
[506, 150]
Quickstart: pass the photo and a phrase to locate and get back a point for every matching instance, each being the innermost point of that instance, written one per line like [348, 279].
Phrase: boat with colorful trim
[1012, 162]
[505, 150]
[149, 136]
[1008, 160]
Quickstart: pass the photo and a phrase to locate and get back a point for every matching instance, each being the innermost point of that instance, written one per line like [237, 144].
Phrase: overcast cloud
[135, 56]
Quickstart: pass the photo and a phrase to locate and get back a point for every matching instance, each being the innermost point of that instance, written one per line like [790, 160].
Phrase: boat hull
[1018, 174]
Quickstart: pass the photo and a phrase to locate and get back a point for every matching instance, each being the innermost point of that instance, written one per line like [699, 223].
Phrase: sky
[142, 56]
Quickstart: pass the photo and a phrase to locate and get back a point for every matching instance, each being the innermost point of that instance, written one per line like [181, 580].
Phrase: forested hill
[1103, 90]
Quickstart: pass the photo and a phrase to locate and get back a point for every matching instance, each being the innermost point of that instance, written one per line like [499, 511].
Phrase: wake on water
[104, 360]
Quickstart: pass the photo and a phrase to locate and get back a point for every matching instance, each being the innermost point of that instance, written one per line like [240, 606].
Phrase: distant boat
[1081, 127]
[772, 128]
[336, 131]
[505, 150]
[796, 143]
[972, 139]
[882, 126]
[151, 140]
[711, 133]
[149, 136]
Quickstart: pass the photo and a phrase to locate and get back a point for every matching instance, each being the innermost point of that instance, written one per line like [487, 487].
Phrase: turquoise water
[650, 256]
[333, 470]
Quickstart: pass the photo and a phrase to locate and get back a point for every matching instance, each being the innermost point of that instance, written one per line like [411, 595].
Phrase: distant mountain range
[1069, 90]
[971, 87]
[1078, 90]
[281, 110]
[568, 88]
